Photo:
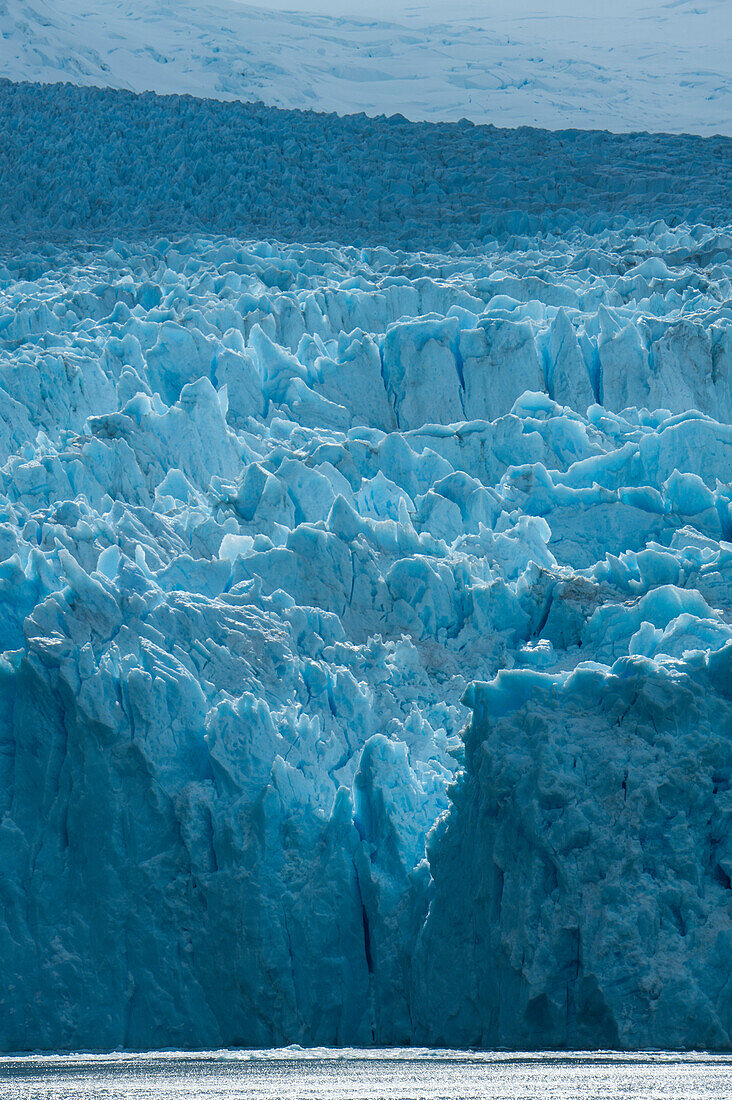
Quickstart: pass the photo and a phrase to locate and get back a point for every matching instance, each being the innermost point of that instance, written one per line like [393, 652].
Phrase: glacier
[366, 581]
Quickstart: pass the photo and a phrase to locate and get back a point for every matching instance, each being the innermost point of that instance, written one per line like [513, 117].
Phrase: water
[295, 1074]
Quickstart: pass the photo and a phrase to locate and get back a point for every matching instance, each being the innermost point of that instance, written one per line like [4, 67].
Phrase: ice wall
[582, 877]
[267, 512]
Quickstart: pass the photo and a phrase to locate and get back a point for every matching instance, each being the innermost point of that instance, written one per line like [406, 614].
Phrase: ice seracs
[366, 635]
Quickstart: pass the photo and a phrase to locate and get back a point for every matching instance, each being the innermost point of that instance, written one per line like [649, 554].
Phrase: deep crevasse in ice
[267, 512]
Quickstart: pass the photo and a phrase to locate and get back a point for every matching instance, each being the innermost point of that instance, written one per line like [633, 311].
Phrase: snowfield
[660, 65]
[366, 667]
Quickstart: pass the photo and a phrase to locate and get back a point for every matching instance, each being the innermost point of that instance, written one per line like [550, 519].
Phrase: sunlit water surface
[295, 1074]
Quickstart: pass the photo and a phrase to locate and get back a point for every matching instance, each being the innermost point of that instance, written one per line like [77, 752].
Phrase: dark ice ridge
[87, 161]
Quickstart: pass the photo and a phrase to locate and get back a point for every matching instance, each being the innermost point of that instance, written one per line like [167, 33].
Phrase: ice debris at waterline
[276, 521]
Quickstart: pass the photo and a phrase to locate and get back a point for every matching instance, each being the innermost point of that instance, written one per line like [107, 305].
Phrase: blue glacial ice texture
[267, 512]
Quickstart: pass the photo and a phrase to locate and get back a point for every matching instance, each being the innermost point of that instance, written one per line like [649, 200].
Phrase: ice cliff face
[582, 877]
[278, 524]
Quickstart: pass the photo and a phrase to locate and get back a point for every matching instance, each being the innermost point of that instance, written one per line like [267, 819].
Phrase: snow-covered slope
[268, 510]
[661, 65]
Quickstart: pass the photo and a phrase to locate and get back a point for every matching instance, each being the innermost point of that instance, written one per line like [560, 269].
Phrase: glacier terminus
[365, 580]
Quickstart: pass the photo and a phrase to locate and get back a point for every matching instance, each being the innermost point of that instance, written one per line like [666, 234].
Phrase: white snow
[659, 65]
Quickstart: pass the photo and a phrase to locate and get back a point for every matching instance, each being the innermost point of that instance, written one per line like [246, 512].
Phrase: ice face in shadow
[581, 878]
[76, 166]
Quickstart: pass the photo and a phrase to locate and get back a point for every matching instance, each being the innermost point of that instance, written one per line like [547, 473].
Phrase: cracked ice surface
[267, 513]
